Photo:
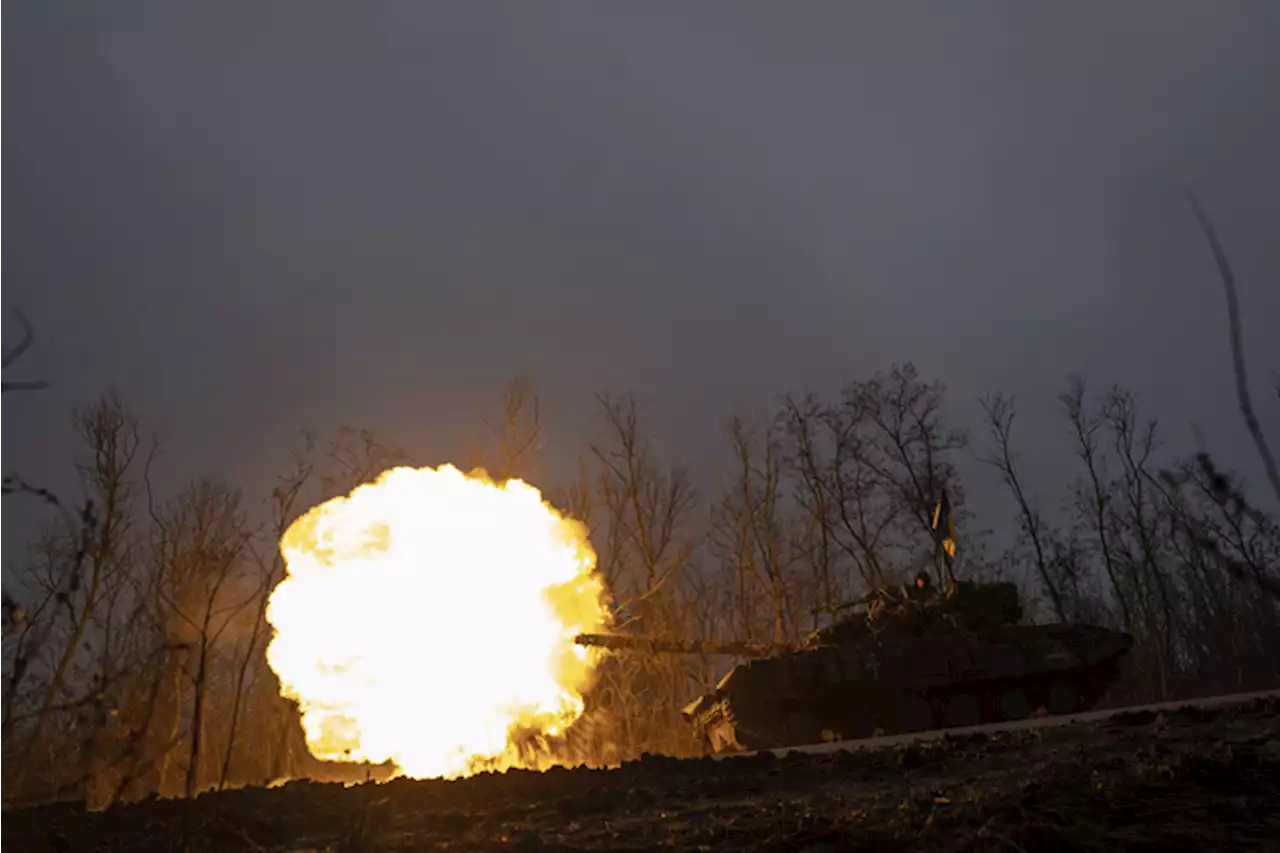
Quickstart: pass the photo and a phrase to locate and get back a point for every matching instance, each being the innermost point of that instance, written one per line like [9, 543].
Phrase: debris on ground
[1191, 779]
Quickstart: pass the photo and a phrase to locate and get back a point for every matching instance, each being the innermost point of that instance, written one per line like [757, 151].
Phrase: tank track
[971, 703]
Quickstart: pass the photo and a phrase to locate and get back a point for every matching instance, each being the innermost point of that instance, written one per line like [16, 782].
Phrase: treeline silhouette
[134, 650]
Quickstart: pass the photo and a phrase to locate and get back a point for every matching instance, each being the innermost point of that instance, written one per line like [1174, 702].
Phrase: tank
[906, 663]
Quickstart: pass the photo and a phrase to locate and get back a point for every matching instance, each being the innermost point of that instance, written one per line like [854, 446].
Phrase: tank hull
[899, 684]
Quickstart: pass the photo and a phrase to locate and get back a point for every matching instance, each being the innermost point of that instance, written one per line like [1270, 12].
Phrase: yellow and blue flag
[944, 525]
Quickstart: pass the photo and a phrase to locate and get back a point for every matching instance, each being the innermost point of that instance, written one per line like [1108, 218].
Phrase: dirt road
[1023, 725]
[1188, 778]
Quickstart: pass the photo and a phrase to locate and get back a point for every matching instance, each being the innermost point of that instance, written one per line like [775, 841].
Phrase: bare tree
[909, 451]
[645, 553]
[1221, 489]
[1223, 547]
[647, 507]
[352, 457]
[578, 499]
[754, 532]
[200, 539]
[801, 429]
[872, 467]
[1094, 496]
[283, 507]
[81, 581]
[1140, 514]
[515, 432]
[16, 619]
[1000, 412]
[869, 519]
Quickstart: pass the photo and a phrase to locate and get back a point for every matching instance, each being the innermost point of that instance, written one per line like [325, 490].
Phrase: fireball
[428, 617]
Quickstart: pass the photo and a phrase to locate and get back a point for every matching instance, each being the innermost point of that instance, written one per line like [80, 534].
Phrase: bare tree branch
[1237, 343]
[1000, 412]
[16, 352]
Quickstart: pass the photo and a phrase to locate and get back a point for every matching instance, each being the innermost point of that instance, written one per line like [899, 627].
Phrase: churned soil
[1191, 779]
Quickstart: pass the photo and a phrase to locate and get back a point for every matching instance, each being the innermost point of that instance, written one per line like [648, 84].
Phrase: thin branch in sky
[1237, 342]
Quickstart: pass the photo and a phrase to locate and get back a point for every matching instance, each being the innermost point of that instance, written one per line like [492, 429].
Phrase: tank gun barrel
[677, 646]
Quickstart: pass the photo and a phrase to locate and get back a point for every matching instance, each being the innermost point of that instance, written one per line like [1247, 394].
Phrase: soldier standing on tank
[913, 604]
[909, 596]
[923, 590]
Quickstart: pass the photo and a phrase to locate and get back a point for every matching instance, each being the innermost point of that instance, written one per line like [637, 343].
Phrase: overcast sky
[252, 216]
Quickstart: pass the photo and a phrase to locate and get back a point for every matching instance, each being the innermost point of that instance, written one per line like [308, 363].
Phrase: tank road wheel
[1013, 705]
[915, 715]
[801, 729]
[960, 711]
[1062, 698]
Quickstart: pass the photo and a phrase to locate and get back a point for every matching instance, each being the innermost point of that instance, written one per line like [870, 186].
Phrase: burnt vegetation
[134, 657]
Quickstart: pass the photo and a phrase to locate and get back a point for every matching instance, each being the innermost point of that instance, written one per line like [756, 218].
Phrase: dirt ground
[1192, 779]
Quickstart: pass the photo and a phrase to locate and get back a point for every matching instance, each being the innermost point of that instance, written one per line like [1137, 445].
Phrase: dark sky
[251, 216]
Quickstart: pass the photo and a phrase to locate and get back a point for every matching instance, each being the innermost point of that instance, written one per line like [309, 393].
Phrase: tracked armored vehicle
[902, 666]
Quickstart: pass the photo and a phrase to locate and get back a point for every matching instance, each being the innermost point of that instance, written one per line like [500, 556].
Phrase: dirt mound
[1190, 779]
